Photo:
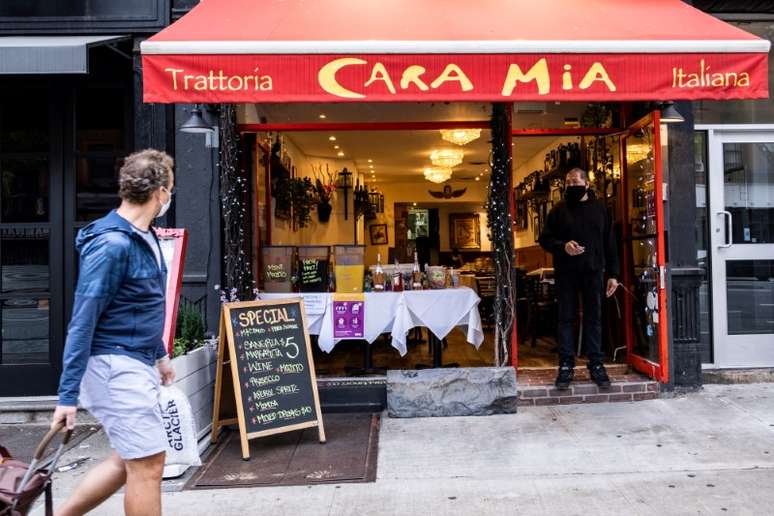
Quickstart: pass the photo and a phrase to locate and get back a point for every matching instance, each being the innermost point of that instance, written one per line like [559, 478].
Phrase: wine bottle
[378, 274]
[397, 278]
[416, 275]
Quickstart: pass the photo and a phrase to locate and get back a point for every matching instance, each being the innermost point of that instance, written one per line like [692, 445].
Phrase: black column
[685, 276]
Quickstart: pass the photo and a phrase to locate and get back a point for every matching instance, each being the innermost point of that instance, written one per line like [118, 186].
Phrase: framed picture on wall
[378, 234]
[464, 231]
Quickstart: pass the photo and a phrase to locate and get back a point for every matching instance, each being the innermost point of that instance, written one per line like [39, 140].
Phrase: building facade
[64, 132]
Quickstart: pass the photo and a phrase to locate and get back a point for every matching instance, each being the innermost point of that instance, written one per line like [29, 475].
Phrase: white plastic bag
[182, 445]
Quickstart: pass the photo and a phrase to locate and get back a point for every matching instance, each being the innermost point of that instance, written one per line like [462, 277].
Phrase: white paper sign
[314, 304]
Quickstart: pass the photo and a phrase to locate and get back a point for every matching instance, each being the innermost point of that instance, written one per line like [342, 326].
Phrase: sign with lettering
[313, 274]
[463, 77]
[348, 316]
[272, 386]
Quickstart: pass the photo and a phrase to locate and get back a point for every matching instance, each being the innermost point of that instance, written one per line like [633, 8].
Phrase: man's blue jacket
[119, 301]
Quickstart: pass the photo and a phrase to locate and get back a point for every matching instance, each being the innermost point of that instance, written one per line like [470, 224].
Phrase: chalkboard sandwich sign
[272, 386]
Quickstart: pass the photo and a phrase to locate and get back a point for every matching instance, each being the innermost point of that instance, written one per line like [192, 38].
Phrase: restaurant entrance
[624, 167]
[408, 212]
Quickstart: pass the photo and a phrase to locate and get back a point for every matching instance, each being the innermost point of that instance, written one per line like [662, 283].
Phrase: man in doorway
[114, 357]
[578, 233]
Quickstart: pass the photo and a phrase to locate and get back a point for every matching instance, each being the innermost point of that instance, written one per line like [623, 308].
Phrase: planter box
[195, 376]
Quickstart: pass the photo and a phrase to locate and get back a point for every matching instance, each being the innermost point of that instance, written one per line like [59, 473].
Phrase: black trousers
[588, 286]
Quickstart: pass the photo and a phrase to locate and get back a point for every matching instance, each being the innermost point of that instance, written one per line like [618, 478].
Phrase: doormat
[296, 458]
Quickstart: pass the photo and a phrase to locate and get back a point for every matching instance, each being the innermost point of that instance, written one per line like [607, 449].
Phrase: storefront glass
[740, 111]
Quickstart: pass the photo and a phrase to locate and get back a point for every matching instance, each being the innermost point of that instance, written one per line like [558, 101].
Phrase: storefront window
[747, 178]
[24, 296]
[740, 111]
[25, 184]
[100, 147]
[750, 296]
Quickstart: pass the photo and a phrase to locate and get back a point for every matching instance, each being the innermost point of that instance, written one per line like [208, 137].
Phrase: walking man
[578, 233]
[114, 358]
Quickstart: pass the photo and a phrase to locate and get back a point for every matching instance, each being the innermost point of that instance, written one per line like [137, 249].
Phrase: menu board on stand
[265, 380]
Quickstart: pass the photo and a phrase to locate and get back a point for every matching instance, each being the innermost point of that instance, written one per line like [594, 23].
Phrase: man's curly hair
[143, 173]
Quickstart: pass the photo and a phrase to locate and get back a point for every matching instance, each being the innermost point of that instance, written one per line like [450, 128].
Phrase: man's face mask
[165, 206]
[574, 193]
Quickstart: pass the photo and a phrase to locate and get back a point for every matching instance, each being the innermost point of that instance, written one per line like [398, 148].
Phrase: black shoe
[565, 376]
[598, 373]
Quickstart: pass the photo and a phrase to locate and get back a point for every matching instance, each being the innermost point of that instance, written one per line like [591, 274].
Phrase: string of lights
[500, 224]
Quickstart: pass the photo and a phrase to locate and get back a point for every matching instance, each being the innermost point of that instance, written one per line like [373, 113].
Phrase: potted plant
[324, 186]
[194, 359]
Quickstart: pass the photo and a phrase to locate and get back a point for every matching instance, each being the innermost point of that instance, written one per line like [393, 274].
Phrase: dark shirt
[587, 223]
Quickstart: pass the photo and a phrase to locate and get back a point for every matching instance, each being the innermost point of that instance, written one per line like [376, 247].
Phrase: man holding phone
[578, 233]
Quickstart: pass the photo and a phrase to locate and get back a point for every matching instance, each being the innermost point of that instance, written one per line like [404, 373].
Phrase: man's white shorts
[123, 394]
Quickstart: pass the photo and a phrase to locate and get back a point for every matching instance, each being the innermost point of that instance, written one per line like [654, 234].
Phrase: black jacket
[588, 224]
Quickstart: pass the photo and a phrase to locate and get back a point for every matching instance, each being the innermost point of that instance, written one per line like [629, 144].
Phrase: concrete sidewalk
[710, 452]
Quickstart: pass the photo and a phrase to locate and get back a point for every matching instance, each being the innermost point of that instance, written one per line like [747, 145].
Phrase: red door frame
[656, 370]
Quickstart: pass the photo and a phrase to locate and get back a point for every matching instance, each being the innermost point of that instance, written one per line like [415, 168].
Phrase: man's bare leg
[143, 486]
[99, 483]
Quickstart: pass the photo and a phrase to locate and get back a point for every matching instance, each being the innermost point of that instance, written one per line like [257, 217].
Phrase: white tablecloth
[398, 312]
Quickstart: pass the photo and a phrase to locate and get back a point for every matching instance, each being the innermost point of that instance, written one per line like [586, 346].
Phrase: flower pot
[324, 212]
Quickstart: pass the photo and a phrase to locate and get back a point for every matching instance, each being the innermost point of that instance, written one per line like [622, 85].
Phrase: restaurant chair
[542, 306]
[487, 289]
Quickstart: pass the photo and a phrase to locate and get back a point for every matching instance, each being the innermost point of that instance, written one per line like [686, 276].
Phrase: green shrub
[189, 333]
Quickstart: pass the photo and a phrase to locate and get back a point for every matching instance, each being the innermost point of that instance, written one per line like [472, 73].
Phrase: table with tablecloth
[396, 313]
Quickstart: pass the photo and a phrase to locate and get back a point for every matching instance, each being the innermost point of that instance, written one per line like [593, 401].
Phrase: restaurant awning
[22, 55]
[452, 50]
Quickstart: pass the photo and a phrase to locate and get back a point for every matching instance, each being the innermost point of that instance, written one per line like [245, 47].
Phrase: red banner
[463, 77]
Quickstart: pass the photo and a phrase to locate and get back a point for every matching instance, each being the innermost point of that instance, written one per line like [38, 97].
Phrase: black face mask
[574, 193]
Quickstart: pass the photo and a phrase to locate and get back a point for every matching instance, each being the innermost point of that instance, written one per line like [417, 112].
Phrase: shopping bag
[179, 425]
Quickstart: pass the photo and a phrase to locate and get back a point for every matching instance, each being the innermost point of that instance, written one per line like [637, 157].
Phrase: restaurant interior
[399, 185]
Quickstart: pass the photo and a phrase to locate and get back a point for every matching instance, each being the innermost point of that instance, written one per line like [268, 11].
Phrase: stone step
[632, 389]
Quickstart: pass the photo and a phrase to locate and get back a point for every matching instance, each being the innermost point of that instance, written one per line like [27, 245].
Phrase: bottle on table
[379, 274]
[416, 275]
[397, 278]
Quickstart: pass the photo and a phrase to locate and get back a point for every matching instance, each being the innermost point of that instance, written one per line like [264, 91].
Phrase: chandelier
[460, 136]
[446, 157]
[438, 174]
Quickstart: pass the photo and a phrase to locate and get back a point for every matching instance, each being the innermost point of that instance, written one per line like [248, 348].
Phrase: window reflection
[750, 296]
[748, 177]
[25, 186]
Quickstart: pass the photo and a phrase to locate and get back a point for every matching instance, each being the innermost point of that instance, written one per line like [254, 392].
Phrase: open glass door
[644, 271]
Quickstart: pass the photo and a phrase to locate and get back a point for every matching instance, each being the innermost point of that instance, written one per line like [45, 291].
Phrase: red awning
[451, 50]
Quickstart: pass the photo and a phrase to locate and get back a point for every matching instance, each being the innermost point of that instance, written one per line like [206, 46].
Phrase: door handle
[729, 226]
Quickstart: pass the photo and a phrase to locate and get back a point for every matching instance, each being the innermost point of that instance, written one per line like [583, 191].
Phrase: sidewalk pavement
[710, 452]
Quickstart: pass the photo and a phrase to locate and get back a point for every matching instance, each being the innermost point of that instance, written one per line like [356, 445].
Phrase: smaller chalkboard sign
[313, 274]
[273, 387]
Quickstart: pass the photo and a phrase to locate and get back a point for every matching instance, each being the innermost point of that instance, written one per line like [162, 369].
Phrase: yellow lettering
[411, 76]
[567, 78]
[327, 77]
[267, 84]
[538, 73]
[174, 72]
[379, 73]
[452, 72]
[201, 83]
[744, 79]
[597, 72]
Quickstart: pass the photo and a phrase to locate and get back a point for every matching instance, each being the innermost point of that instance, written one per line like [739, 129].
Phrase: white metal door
[741, 221]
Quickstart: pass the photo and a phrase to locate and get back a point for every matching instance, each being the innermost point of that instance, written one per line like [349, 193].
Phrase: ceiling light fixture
[336, 147]
[370, 161]
[340, 153]
[438, 174]
[460, 136]
[322, 115]
[332, 138]
[446, 158]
